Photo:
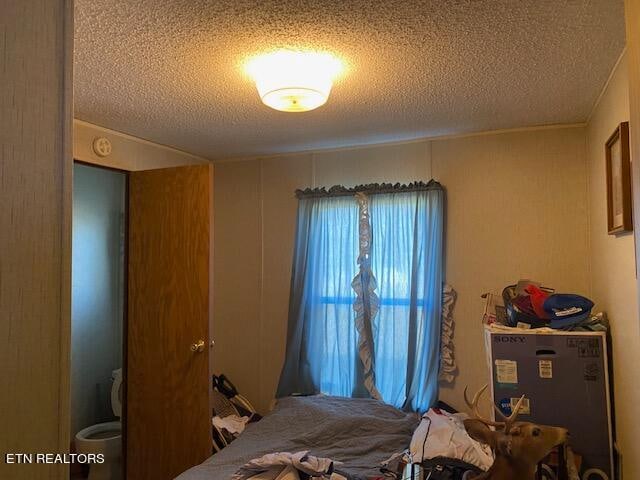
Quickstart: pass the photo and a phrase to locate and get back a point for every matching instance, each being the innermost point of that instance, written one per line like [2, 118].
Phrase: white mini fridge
[565, 379]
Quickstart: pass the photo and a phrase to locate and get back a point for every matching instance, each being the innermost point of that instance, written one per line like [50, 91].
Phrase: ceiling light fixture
[294, 81]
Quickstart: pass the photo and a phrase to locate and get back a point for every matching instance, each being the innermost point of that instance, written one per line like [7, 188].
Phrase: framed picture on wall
[618, 166]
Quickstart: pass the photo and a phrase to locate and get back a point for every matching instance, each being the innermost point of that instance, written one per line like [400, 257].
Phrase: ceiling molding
[417, 140]
[606, 85]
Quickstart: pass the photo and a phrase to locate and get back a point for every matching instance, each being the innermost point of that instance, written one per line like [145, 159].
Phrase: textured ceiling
[170, 71]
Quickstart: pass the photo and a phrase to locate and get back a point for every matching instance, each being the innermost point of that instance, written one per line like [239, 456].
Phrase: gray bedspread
[361, 433]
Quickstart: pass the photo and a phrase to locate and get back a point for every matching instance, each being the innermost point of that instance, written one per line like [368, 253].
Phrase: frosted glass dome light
[294, 81]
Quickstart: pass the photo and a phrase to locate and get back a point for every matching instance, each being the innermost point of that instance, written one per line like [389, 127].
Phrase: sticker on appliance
[525, 409]
[505, 406]
[591, 372]
[545, 368]
[507, 371]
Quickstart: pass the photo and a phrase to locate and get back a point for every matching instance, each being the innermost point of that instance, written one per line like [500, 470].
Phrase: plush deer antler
[507, 422]
[517, 448]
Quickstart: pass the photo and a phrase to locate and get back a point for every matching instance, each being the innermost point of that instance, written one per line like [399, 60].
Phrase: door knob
[197, 347]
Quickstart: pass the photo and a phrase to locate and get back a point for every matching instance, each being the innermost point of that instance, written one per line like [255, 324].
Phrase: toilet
[105, 438]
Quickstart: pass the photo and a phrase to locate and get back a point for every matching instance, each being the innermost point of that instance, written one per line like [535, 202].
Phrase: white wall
[613, 277]
[517, 207]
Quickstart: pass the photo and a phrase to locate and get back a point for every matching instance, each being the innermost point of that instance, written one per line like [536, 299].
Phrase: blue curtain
[404, 252]
[407, 263]
[322, 339]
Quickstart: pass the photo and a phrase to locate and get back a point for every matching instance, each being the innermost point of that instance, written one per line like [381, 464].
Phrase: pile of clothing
[442, 435]
[440, 446]
[530, 305]
[289, 466]
[231, 412]
[443, 449]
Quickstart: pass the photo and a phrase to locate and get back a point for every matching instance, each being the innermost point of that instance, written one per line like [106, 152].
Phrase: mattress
[360, 433]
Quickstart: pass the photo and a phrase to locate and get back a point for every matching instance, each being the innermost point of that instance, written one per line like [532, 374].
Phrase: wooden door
[167, 423]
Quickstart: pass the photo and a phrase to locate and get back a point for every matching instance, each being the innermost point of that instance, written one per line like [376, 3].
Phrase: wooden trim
[103, 167]
[125, 326]
[64, 406]
[66, 153]
[621, 134]
[632, 20]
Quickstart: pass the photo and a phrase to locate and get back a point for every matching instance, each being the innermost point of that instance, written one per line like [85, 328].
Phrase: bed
[361, 433]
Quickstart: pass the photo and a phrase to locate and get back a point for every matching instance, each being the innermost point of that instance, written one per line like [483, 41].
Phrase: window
[366, 295]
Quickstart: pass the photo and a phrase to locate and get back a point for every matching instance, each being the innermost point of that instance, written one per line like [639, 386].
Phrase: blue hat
[565, 309]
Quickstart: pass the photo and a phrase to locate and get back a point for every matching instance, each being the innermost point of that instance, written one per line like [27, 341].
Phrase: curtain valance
[369, 189]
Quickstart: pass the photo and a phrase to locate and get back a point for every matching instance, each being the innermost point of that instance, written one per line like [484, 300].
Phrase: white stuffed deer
[517, 446]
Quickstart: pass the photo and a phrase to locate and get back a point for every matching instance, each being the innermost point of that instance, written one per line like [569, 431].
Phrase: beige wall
[128, 152]
[613, 270]
[35, 199]
[516, 208]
